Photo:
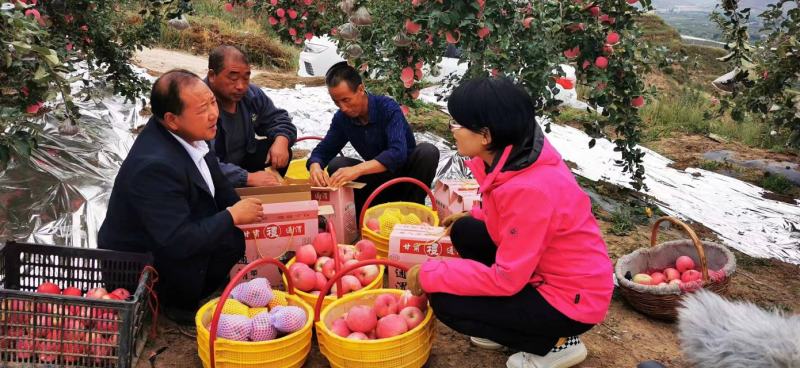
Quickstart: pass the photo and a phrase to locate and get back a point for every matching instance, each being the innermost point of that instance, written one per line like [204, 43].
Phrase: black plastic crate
[48, 330]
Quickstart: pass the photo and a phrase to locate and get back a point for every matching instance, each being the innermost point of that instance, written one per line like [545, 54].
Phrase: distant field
[698, 24]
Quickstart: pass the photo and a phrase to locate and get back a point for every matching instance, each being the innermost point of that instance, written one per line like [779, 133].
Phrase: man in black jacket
[244, 112]
[171, 199]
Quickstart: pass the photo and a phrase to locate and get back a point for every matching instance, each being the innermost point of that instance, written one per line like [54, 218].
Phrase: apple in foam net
[306, 254]
[361, 318]
[367, 274]
[386, 304]
[391, 325]
[365, 249]
[684, 263]
[413, 316]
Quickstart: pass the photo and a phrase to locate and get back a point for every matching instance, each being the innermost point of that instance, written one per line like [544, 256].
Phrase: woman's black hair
[496, 104]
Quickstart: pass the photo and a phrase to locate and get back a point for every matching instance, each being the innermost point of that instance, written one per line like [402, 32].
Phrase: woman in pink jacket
[534, 272]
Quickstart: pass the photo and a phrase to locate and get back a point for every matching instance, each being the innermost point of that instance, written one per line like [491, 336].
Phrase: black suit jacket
[161, 204]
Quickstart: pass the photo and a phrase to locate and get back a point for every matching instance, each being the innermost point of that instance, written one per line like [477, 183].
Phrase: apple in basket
[691, 275]
[72, 291]
[684, 263]
[657, 278]
[391, 325]
[306, 254]
[365, 249]
[386, 304]
[48, 288]
[303, 277]
[672, 274]
[321, 261]
[413, 316]
[411, 300]
[643, 279]
[339, 327]
[367, 274]
[323, 243]
[361, 318]
[346, 253]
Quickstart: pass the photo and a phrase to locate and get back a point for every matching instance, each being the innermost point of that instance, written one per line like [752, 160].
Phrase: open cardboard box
[345, 218]
[290, 220]
[415, 244]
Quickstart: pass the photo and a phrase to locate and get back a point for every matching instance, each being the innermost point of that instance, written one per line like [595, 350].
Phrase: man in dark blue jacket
[377, 129]
[244, 112]
[171, 199]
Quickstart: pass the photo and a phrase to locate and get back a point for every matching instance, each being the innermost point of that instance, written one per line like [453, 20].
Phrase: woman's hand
[412, 281]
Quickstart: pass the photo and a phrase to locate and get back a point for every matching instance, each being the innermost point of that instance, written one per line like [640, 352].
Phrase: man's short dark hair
[165, 95]
[496, 104]
[217, 56]
[342, 71]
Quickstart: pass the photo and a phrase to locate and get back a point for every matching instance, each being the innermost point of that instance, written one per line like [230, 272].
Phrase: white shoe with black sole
[568, 354]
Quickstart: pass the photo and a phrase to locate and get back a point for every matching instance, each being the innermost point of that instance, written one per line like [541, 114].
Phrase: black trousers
[184, 283]
[421, 165]
[524, 321]
[256, 161]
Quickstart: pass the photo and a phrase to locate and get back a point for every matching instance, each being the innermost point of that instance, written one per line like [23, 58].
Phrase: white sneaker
[485, 343]
[566, 355]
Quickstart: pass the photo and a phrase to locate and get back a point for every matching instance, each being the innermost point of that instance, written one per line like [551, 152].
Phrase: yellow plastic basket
[311, 299]
[289, 351]
[409, 350]
[423, 213]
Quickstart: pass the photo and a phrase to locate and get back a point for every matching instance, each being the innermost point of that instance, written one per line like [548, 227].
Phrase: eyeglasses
[454, 126]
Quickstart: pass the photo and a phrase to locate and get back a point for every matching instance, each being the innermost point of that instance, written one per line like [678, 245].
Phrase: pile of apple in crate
[55, 309]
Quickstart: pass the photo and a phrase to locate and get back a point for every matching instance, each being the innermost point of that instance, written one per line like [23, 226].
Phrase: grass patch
[776, 183]
[212, 26]
[428, 118]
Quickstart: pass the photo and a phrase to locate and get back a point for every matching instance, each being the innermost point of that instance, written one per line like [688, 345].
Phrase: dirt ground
[625, 338]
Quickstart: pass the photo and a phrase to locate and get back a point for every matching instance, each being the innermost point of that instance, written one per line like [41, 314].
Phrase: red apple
[122, 293]
[411, 300]
[346, 253]
[48, 288]
[96, 293]
[306, 254]
[572, 53]
[111, 297]
[339, 327]
[601, 62]
[691, 275]
[329, 268]
[321, 261]
[358, 336]
[321, 281]
[323, 243]
[657, 278]
[108, 322]
[365, 249]
[391, 325]
[526, 23]
[72, 291]
[637, 102]
[25, 346]
[411, 27]
[612, 38]
[684, 263]
[675, 282]
[413, 316]
[366, 274]
[361, 318]
[386, 304]
[672, 274]
[303, 277]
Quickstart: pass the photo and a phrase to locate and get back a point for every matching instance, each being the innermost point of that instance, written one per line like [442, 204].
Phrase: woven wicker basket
[662, 301]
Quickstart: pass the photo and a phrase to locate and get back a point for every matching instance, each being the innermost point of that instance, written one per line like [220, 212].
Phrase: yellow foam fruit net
[252, 312]
[235, 307]
[278, 299]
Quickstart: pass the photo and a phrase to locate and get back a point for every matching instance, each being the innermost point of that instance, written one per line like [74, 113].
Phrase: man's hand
[344, 176]
[412, 280]
[279, 153]
[261, 179]
[319, 177]
[246, 211]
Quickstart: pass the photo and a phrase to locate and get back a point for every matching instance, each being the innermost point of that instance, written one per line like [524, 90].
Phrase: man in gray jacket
[245, 111]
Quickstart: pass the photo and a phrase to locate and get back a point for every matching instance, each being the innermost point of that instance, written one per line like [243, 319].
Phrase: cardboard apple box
[415, 244]
[290, 220]
[342, 200]
[447, 190]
